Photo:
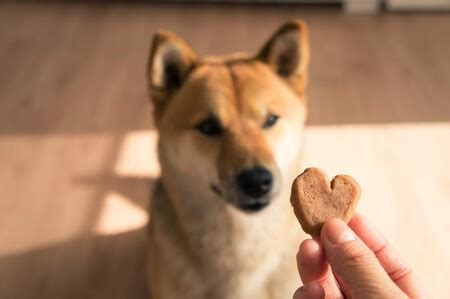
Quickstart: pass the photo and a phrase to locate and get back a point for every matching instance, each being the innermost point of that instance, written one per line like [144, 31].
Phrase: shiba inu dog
[230, 143]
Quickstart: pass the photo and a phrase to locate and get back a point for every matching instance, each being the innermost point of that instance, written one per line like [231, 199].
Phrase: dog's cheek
[188, 156]
[287, 143]
[201, 156]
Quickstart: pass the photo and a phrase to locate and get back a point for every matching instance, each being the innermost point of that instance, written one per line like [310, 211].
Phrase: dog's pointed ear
[171, 60]
[287, 51]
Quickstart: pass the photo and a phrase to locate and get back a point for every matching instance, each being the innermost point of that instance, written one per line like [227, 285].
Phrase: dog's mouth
[216, 189]
[249, 205]
[253, 206]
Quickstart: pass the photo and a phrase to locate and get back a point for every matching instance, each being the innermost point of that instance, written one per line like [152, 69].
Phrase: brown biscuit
[315, 201]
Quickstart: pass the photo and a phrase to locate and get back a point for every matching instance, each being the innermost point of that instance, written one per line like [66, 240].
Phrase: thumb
[355, 264]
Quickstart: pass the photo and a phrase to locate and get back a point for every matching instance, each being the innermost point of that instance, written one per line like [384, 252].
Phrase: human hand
[353, 261]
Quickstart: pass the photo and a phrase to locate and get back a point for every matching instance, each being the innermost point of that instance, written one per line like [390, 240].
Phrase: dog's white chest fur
[254, 259]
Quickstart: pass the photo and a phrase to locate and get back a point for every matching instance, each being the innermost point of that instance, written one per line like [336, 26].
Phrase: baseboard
[418, 4]
[361, 6]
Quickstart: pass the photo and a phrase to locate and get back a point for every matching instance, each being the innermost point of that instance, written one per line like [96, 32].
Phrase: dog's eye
[270, 121]
[210, 127]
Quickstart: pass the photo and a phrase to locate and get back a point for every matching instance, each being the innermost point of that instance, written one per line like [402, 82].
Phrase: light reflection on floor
[119, 215]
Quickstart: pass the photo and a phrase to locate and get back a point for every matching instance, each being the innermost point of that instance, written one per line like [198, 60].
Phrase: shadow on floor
[89, 267]
[136, 189]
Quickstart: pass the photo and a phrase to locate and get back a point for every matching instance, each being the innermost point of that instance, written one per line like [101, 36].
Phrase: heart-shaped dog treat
[315, 201]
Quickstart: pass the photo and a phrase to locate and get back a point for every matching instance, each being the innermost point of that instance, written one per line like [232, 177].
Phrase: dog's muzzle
[255, 185]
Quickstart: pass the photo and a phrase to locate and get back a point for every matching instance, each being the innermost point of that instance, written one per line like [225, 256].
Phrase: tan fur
[200, 245]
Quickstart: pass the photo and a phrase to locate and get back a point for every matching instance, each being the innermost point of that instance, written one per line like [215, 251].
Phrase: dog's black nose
[255, 182]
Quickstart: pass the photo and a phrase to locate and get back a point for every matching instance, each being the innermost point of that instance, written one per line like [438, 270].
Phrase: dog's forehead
[211, 86]
[253, 81]
[244, 84]
[235, 92]
[208, 90]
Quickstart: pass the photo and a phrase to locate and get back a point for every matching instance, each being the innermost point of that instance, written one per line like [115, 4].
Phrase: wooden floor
[77, 146]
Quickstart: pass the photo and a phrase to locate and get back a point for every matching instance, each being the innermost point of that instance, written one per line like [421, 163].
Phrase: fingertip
[328, 225]
[335, 231]
[309, 246]
[358, 220]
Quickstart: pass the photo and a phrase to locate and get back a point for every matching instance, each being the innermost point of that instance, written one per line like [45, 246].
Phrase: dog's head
[231, 126]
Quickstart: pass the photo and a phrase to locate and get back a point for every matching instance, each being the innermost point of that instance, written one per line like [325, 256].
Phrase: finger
[388, 257]
[330, 286]
[311, 261]
[355, 263]
[313, 267]
[310, 291]
[345, 290]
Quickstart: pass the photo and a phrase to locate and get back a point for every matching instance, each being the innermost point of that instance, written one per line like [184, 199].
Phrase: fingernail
[338, 232]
